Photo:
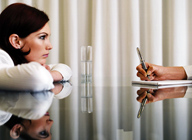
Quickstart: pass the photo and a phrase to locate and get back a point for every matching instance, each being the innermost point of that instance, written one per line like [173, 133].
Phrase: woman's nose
[49, 46]
[50, 122]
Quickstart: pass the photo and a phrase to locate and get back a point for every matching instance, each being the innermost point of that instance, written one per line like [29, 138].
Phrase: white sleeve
[188, 93]
[65, 70]
[5, 59]
[188, 70]
[30, 76]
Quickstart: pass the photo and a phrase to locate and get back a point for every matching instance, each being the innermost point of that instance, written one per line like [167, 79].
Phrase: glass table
[86, 112]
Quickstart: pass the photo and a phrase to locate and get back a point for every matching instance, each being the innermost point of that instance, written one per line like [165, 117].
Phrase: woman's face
[39, 129]
[39, 45]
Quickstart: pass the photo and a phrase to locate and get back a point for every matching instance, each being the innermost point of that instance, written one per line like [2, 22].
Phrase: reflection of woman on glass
[30, 129]
[24, 47]
[26, 114]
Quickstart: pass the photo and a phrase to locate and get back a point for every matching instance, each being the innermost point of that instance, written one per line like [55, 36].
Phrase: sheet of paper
[163, 83]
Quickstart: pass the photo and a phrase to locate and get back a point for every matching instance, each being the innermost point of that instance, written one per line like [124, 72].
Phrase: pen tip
[148, 77]
[139, 114]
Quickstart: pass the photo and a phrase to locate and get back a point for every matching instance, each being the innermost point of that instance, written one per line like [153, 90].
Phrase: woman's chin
[42, 62]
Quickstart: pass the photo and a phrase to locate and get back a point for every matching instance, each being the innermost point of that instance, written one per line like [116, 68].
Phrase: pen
[142, 61]
[142, 105]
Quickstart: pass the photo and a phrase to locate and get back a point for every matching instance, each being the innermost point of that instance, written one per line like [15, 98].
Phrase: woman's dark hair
[13, 120]
[20, 19]
[17, 120]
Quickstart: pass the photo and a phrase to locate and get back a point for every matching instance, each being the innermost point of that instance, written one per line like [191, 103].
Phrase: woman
[24, 47]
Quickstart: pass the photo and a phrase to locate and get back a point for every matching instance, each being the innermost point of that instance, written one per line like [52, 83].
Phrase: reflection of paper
[124, 135]
[163, 83]
[159, 87]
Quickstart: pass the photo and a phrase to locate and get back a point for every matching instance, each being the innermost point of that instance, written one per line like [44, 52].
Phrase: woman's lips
[45, 55]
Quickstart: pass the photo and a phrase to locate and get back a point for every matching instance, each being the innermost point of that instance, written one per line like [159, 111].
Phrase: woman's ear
[15, 41]
[16, 131]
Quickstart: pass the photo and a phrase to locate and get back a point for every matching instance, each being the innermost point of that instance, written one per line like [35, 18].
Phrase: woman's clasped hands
[57, 76]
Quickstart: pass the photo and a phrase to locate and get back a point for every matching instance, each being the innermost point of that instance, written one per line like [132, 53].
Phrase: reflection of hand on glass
[62, 89]
[57, 88]
[160, 94]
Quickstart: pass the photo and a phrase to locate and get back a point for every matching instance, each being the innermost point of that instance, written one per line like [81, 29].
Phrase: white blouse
[188, 70]
[30, 76]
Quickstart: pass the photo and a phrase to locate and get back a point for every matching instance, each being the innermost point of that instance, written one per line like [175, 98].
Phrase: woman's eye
[43, 133]
[42, 37]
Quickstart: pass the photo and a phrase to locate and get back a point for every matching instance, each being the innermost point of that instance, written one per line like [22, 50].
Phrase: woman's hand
[47, 67]
[158, 73]
[55, 74]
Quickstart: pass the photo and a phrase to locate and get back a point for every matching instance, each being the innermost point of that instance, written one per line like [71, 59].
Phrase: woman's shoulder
[5, 58]
[4, 53]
